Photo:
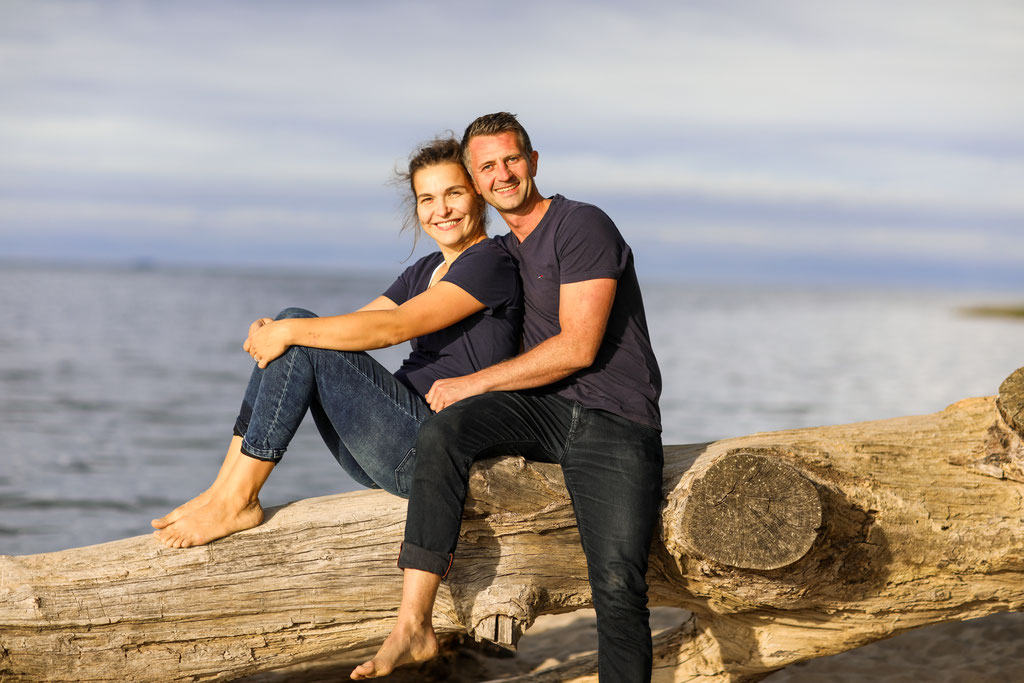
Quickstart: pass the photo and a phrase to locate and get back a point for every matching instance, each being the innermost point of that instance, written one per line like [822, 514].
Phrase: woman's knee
[294, 312]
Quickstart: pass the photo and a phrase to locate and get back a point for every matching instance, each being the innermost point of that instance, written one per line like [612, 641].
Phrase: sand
[989, 650]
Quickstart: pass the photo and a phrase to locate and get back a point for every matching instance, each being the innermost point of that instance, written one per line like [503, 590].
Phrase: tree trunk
[785, 546]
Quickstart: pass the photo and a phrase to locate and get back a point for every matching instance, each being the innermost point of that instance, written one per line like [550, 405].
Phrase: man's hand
[267, 340]
[445, 392]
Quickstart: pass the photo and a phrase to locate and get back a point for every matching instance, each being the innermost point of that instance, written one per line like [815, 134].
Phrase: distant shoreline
[994, 311]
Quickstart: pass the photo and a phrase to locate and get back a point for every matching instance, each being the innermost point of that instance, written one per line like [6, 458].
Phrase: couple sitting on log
[583, 393]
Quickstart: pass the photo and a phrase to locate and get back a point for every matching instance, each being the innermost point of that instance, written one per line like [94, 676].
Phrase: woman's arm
[381, 303]
[379, 324]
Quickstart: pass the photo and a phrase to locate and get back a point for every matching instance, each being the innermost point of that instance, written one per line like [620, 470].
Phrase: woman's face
[447, 206]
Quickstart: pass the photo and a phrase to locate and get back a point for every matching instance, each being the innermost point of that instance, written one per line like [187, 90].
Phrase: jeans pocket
[404, 472]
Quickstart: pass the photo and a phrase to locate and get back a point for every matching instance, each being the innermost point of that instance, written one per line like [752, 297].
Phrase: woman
[460, 306]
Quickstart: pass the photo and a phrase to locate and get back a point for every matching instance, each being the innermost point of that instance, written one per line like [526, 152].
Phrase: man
[583, 394]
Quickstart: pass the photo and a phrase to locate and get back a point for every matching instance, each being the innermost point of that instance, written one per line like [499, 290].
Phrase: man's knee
[625, 577]
[439, 431]
[456, 423]
[454, 437]
[431, 434]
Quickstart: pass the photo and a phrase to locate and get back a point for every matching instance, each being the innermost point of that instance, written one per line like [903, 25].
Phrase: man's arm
[583, 311]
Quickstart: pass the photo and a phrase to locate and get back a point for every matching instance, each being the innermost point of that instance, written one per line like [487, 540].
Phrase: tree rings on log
[1011, 401]
[751, 511]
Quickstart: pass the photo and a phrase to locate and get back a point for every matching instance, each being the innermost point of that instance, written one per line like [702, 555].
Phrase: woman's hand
[267, 340]
[258, 324]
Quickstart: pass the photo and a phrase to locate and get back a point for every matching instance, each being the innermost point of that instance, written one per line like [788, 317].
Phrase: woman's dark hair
[440, 150]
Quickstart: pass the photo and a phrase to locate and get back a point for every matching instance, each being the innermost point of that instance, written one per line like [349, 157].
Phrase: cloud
[758, 119]
[837, 174]
[862, 241]
[151, 146]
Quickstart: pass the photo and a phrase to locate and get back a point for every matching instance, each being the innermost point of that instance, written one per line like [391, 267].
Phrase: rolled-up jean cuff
[240, 427]
[412, 556]
[271, 455]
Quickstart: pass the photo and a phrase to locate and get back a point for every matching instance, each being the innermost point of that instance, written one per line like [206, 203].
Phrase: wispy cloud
[891, 122]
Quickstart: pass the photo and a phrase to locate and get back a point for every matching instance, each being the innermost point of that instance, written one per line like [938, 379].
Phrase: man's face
[501, 172]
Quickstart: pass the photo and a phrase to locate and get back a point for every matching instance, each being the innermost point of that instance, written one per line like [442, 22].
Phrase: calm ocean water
[118, 387]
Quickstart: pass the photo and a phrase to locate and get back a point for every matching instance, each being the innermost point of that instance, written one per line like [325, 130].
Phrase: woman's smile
[448, 225]
[448, 207]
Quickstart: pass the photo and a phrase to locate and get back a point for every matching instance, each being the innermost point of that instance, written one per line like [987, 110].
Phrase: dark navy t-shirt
[487, 337]
[575, 242]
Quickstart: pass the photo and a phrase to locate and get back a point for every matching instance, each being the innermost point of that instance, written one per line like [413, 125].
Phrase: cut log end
[500, 629]
[751, 511]
[1010, 402]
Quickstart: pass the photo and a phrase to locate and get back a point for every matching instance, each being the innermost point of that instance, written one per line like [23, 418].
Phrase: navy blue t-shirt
[487, 337]
[575, 242]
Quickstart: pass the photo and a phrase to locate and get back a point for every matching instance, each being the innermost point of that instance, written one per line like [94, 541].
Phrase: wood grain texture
[912, 531]
[1011, 401]
[752, 511]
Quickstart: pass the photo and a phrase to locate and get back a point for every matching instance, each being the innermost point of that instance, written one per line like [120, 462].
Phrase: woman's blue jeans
[367, 418]
[612, 468]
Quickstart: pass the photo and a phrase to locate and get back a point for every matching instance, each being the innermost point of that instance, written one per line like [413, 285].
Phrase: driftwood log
[785, 546]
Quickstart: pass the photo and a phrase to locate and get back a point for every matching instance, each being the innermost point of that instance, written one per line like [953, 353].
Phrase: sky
[798, 141]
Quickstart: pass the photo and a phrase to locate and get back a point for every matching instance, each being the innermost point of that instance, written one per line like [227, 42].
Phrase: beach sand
[988, 650]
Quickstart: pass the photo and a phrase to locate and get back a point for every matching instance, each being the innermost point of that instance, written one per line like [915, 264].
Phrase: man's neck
[523, 221]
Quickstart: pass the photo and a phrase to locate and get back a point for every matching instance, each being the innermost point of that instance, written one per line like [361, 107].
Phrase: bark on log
[785, 546]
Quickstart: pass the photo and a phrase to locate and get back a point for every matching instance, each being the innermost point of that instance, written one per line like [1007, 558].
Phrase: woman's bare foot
[183, 509]
[405, 645]
[220, 517]
[223, 476]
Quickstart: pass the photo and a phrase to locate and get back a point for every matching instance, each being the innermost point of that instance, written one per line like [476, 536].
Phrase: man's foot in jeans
[407, 644]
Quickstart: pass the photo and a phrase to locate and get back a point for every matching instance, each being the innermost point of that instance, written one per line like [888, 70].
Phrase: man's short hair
[493, 124]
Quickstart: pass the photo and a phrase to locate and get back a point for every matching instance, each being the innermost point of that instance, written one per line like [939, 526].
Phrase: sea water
[119, 386]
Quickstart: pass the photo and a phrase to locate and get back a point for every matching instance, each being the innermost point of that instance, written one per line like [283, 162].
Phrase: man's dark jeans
[612, 468]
